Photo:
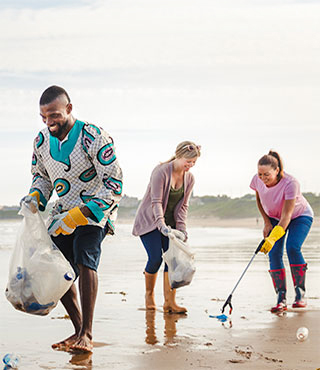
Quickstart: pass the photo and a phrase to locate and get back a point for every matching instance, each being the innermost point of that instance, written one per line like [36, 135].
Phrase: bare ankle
[87, 334]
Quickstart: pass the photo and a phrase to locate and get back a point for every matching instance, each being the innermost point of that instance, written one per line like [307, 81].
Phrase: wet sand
[128, 337]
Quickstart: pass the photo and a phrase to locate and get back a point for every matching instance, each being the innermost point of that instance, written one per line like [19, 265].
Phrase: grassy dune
[221, 206]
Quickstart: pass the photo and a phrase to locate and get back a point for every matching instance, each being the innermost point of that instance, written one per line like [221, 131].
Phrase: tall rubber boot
[279, 283]
[298, 273]
[150, 280]
[170, 297]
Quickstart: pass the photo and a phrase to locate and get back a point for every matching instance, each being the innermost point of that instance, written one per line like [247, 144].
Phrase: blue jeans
[155, 244]
[296, 232]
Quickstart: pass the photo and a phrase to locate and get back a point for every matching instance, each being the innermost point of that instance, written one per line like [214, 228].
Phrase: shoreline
[252, 222]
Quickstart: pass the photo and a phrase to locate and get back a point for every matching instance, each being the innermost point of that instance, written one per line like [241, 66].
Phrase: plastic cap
[68, 276]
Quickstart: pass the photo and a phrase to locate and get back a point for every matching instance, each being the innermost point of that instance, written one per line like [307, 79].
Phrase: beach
[128, 337]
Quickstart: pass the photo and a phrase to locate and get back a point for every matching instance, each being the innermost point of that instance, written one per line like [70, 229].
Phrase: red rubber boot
[279, 283]
[298, 273]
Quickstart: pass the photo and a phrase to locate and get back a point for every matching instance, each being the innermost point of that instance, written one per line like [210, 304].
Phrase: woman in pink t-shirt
[284, 211]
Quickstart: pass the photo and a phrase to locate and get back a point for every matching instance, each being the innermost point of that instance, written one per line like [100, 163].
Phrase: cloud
[142, 34]
[41, 4]
[238, 77]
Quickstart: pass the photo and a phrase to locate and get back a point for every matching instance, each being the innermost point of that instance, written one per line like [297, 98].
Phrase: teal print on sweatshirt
[62, 187]
[62, 154]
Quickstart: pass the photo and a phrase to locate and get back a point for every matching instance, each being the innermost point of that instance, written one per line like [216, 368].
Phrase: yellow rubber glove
[35, 195]
[276, 234]
[65, 223]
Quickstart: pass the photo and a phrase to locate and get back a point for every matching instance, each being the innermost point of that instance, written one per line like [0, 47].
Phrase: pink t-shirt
[272, 198]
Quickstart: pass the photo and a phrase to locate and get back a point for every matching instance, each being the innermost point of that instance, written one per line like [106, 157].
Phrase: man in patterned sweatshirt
[78, 161]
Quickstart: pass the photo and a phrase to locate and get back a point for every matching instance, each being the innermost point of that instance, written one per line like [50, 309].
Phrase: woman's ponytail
[280, 164]
[274, 160]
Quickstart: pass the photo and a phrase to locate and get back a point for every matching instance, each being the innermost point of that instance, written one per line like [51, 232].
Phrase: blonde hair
[186, 149]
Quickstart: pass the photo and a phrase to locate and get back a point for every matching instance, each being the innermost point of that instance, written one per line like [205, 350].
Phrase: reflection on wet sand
[151, 337]
[82, 359]
[170, 329]
[227, 324]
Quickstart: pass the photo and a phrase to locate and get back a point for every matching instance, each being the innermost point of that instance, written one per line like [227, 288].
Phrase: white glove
[31, 201]
[165, 230]
[182, 235]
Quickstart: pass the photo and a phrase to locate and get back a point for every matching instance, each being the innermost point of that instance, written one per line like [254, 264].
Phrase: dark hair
[51, 93]
[274, 160]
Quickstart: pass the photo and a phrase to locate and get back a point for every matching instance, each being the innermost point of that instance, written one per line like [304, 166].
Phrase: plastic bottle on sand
[11, 360]
[302, 334]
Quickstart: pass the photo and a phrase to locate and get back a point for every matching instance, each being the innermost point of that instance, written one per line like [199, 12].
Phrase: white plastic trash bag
[180, 261]
[39, 274]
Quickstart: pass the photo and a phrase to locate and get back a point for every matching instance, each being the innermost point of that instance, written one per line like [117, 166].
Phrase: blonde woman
[164, 209]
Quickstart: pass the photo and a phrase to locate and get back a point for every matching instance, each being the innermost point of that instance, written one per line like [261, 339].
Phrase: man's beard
[62, 128]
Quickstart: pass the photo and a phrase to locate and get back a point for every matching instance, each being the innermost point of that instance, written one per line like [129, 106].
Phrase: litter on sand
[221, 318]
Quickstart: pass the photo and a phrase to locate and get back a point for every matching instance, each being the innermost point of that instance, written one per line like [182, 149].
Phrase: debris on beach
[272, 359]
[234, 361]
[302, 334]
[221, 318]
[11, 361]
[122, 293]
[224, 319]
[244, 351]
[269, 358]
[64, 317]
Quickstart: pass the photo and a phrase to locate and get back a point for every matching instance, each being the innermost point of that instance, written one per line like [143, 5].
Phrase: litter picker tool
[228, 301]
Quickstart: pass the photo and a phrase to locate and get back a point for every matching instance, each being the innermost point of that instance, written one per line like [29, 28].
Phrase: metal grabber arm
[228, 301]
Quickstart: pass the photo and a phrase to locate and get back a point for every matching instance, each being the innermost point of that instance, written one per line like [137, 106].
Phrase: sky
[238, 77]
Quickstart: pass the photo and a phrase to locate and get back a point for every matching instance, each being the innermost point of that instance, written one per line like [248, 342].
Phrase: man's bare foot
[66, 342]
[83, 344]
